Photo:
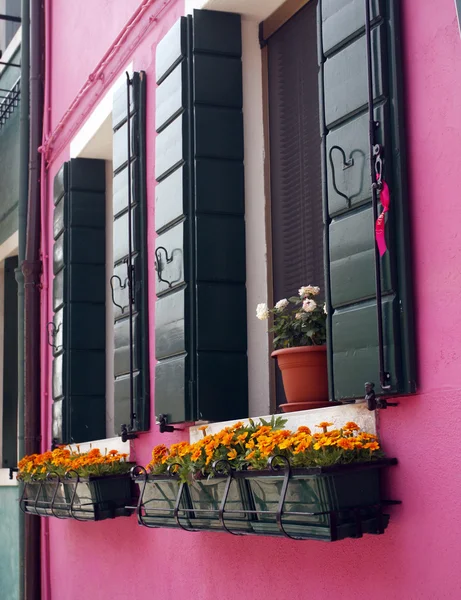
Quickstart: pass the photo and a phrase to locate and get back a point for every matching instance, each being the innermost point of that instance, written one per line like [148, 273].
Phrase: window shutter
[349, 223]
[10, 365]
[77, 333]
[130, 356]
[200, 318]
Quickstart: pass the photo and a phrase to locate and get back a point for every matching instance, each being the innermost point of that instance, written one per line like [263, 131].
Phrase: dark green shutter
[10, 365]
[200, 317]
[349, 224]
[78, 330]
[139, 420]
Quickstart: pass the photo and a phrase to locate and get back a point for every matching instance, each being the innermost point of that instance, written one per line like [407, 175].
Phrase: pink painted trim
[48, 148]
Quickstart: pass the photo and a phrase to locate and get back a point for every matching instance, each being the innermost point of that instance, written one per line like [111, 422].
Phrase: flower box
[92, 498]
[207, 500]
[323, 503]
[44, 498]
[163, 501]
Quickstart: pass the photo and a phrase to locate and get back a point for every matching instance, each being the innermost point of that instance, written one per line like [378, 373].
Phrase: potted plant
[86, 486]
[299, 328]
[262, 479]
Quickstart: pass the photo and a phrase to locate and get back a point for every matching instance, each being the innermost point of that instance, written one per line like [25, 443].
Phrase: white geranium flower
[262, 312]
[298, 316]
[308, 290]
[325, 308]
[309, 305]
[281, 304]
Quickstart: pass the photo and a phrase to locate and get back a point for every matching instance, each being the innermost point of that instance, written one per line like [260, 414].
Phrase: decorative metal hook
[122, 287]
[158, 264]
[347, 164]
[52, 334]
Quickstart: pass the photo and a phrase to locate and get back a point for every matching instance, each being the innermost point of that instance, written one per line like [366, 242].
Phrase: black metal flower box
[321, 503]
[93, 498]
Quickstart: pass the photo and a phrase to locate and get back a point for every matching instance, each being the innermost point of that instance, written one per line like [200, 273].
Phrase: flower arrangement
[64, 460]
[252, 446]
[296, 321]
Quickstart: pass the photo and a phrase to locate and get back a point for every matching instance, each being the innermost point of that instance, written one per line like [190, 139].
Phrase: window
[9, 360]
[322, 205]
[11, 8]
[94, 306]
[295, 158]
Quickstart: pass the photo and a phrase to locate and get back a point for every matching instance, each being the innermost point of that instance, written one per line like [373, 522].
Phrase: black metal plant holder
[59, 497]
[361, 519]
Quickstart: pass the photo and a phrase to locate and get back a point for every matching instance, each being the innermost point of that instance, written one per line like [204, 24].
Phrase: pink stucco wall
[419, 557]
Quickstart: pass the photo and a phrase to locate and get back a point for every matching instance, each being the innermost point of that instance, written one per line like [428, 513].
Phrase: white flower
[308, 290]
[309, 305]
[262, 312]
[298, 316]
[281, 304]
[325, 308]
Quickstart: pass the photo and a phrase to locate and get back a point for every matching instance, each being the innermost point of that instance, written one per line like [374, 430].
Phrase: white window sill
[114, 443]
[338, 415]
[5, 480]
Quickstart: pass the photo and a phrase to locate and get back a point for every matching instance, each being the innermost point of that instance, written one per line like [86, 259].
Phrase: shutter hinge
[372, 402]
[127, 435]
[163, 426]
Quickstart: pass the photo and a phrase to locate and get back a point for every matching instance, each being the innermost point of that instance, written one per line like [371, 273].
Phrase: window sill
[338, 415]
[5, 480]
[114, 443]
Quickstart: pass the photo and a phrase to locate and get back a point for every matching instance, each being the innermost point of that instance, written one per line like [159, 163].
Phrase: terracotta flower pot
[304, 374]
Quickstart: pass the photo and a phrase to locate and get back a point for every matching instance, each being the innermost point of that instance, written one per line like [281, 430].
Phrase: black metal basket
[321, 503]
[92, 498]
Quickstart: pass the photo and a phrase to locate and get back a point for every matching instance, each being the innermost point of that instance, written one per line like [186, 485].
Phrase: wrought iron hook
[158, 264]
[52, 334]
[122, 287]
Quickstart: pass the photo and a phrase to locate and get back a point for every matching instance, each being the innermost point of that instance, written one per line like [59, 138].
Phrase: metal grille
[9, 101]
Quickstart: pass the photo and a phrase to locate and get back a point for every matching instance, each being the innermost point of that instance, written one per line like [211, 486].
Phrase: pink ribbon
[384, 198]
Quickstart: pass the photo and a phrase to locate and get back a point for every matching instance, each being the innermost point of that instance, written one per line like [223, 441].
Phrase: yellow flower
[232, 454]
[237, 426]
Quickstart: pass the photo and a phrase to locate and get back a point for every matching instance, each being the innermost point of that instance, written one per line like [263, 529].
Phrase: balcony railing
[9, 101]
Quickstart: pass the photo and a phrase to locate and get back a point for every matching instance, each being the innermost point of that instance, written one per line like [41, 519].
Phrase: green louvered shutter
[78, 331]
[200, 316]
[349, 225]
[138, 420]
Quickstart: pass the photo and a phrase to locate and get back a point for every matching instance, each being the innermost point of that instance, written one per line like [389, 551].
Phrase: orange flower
[351, 426]
[251, 455]
[372, 446]
[323, 425]
[232, 454]
[304, 429]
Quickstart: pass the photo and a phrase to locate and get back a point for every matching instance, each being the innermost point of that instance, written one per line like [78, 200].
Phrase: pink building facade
[418, 557]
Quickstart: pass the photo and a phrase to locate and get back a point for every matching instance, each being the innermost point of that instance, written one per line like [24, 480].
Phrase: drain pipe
[22, 225]
[31, 268]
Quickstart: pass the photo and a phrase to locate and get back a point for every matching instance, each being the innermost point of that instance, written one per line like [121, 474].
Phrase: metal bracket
[12, 470]
[163, 426]
[127, 435]
[372, 401]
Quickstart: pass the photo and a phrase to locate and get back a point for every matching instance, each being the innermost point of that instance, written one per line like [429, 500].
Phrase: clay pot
[304, 374]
